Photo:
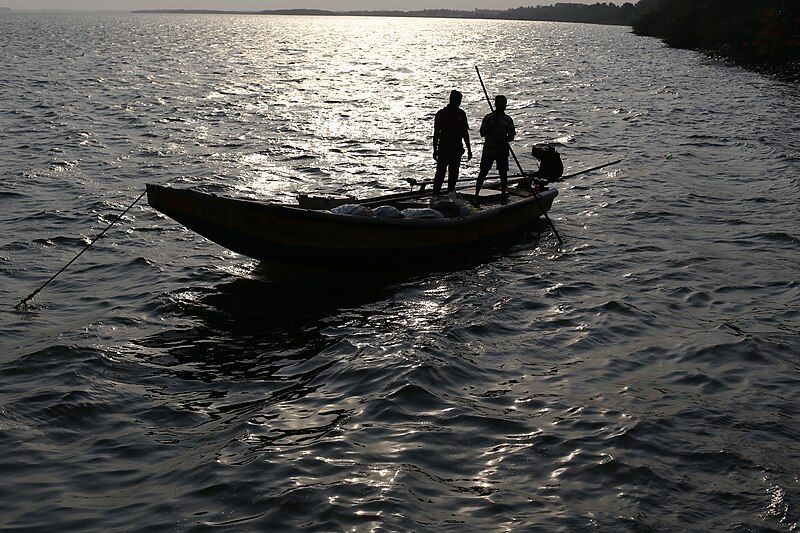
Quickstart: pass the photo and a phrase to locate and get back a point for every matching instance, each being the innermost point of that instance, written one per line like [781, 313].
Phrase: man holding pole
[498, 130]
[449, 129]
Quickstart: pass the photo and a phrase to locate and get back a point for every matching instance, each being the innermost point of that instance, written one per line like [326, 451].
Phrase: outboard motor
[550, 166]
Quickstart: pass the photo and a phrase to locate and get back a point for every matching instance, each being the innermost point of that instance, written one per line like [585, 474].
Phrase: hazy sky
[275, 4]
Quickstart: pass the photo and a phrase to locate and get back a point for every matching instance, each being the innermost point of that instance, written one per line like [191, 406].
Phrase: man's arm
[486, 125]
[466, 137]
[512, 132]
[437, 135]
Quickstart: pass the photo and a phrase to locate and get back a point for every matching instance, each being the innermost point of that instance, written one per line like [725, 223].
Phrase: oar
[46, 283]
[521, 171]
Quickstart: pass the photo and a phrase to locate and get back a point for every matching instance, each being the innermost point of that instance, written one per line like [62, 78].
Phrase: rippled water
[644, 376]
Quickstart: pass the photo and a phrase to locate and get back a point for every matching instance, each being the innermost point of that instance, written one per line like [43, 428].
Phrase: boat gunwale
[306, 213]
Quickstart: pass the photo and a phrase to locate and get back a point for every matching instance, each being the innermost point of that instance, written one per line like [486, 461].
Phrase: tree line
[754, 32]
[599, 13]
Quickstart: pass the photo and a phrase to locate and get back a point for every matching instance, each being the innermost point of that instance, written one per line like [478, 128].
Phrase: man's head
[500, 102]
[455, 98]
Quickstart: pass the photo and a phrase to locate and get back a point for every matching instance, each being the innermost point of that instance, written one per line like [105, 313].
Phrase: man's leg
[452, 174]
[438, 179]
[502, 169]
[486, 166]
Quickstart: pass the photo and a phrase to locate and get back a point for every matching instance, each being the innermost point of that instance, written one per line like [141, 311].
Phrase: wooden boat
[307, 235]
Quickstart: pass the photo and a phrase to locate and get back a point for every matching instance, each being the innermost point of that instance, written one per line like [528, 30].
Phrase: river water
[643, 376]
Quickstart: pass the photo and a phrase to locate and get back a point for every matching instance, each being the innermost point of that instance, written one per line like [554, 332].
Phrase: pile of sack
[450, 206]
[386, 211]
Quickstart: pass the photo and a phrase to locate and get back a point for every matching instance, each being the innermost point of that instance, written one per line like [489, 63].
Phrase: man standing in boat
[498, 130]
[449, 130]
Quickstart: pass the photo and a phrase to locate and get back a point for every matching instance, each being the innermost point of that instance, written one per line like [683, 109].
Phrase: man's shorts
[487, 160]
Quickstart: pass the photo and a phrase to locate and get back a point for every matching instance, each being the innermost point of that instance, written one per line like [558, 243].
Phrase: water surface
[644, 376]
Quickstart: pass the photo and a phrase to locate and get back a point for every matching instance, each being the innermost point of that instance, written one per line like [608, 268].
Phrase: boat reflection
[240, 325]
[296, 313]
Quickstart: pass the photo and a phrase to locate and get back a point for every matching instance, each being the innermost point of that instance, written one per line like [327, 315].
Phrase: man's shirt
[497, 129]
[450, 127]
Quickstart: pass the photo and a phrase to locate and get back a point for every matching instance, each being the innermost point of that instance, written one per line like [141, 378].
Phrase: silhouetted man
[497, 129]
[449, 130]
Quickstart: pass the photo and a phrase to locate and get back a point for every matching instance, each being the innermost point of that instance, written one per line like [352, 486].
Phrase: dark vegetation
[598, 13]
[761, 34]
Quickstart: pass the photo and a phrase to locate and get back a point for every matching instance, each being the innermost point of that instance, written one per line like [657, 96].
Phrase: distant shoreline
[605, 14]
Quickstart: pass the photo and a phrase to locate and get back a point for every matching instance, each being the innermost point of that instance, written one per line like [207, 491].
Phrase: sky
[335, 5]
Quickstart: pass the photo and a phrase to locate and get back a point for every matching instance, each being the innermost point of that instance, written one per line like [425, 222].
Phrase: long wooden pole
[46, 283]
[568, 176]
[538, 203]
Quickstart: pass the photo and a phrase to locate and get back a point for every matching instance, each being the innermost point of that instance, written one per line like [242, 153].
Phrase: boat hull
[292, 236]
